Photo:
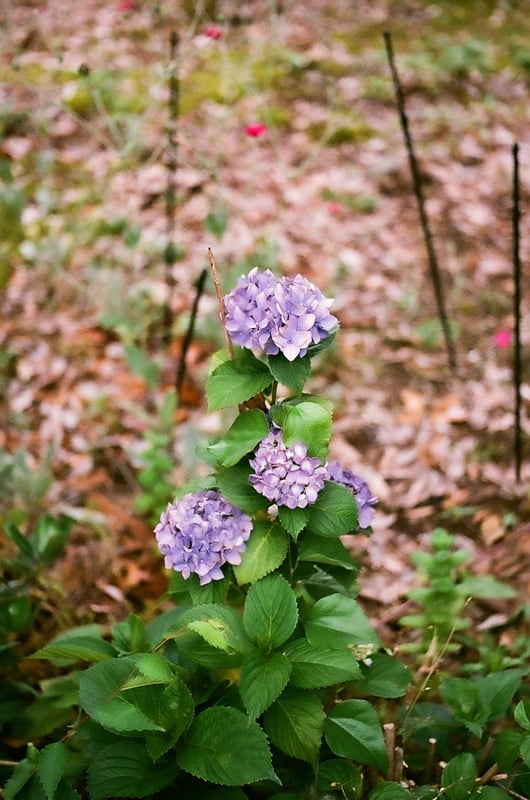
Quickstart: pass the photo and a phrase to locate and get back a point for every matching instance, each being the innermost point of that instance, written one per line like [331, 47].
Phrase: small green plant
[157, 462]
[447, 590]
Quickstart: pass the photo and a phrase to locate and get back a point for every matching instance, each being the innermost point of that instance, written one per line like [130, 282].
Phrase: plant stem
[220, 300]
[418, 191]
[181, 371]
[516, 215]
[171, 168]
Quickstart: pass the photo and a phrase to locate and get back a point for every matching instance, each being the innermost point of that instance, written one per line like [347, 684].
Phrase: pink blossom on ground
[255, 129]
[213, 32]
[126, 5]
[502, 338]
[334, 207]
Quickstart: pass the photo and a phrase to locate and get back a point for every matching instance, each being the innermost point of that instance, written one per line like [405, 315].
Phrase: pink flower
[255, 129]
[126, 5]
[213, 32]
[334, 207]
[502, 338]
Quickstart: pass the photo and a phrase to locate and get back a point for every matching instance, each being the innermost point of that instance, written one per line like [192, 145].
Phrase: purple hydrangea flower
[200, 533]
[285, 475]
[359, 487]
[277, 315]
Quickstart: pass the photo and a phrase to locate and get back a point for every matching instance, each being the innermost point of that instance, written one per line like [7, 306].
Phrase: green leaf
[142, 365]
[50, 537]
[495, 692]
[337, 775]
[224, 746]
[334, 513]
[293, 374]
[265, 551]
[270, 613]
[52, 762]
[64, 650]
[249, 428]
[487, 587]
[490, 793]
[129, 636]
[293, 520]
[23, 772]
[235, 486]
[236, 381]
[389, 790]
[383, 676]
[219, 626]
[151, 669]
[263, 679]
[475, 702]
[126, 770]
[309, 423]
[294, 723]
[313, 668]
[176, 715]
[216, 222]
[352, 730]
[337, 621]
[521, 714]
[524, 749]
[458, 777]
[324, 550]
[17, 537]
[507, 748]
[129, 712]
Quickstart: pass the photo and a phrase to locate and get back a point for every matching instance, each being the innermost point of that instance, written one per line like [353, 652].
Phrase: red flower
[126, 5]
[213, 32]
[334, 207]
[255, 129]
[502, 338]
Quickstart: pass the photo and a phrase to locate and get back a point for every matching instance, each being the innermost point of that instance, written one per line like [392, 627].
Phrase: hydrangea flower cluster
[200, 533]
[285, 315]
[359, 487]
[286, 475]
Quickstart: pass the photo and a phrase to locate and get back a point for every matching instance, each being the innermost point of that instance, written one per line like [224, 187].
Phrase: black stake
[199, 289]
[171, 167]
[516, 215]
[418, 191]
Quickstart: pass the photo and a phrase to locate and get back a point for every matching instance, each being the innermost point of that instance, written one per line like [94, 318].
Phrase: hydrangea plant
[254, 679]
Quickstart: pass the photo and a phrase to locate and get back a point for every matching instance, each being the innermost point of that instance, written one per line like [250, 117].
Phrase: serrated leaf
[129, 712]
[309, 423]
[224, 746]
[384, 676]
[152, 668]
[265, 551]
[236, 381]
[249, 428]
[263, 679]
[293, 374]
[337, 621]
[23, 772]
[270, 613]
[389, 790]
[353, 730]
[52, 762]
[458, 777]
[521, 714]
[337, 774]
[294, 723]
[235, 486]
[176, 714]
[293, 520]
[219, 626]
[324, 550]
[126, 770]
[313, 668]
[62, 652]
[334, 513]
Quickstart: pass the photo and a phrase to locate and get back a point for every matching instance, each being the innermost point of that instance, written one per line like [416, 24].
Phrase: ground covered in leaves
[96, 105]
